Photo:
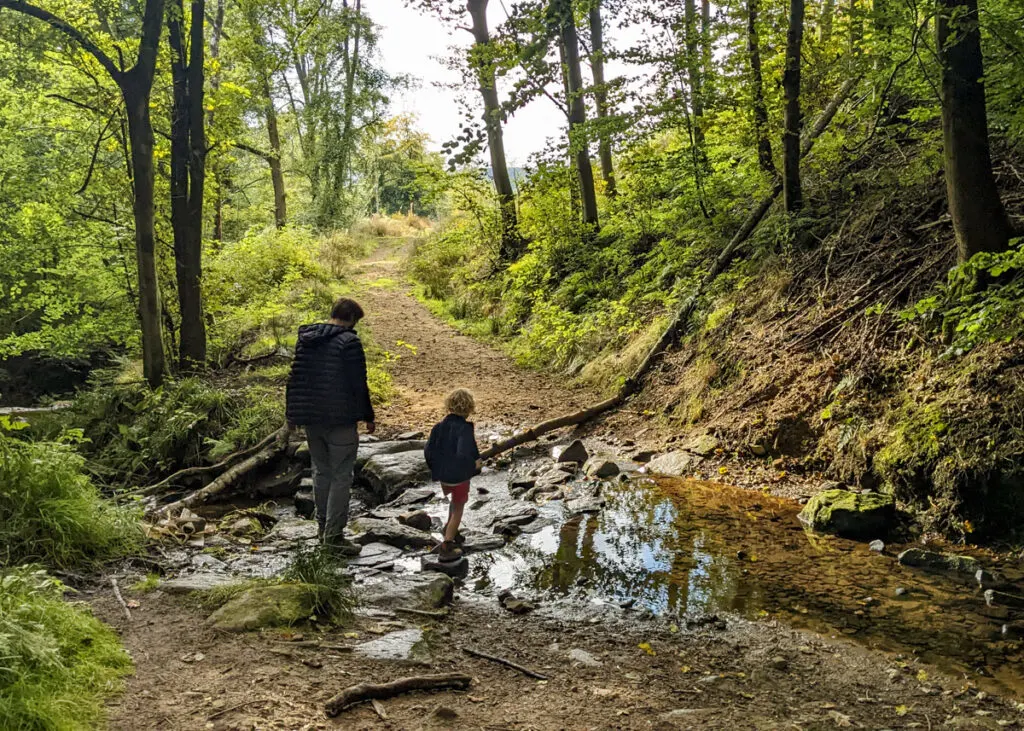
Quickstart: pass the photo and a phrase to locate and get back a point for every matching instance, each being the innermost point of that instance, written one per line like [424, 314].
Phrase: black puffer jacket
[327, 385]
[451, 451]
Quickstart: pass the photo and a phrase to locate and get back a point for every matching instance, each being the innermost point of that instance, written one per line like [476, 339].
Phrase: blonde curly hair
[460, 402]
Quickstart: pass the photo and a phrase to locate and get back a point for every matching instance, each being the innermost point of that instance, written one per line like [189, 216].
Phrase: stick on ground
[120, 599]
[506, 663]
[373, 691]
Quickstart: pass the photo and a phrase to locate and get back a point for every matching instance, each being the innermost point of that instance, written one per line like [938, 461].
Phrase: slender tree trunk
[792, 191]
[218, 168]
[578, 142]
[828, 13]
[974, 204]
[188, 175]
[274, 160]
[140, 134]
[511, 243]
[764, 143]
[597, 55]
[575, 204]
[351, 71]
[693, 75]
[856, 28]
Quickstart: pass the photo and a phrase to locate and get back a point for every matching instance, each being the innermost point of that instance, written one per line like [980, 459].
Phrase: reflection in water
[688, 548]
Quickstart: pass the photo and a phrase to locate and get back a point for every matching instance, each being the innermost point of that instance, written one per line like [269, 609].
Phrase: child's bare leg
[454, 519]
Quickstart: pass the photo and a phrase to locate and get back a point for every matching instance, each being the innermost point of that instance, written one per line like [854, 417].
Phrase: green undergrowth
[51, 512]
[59, 663]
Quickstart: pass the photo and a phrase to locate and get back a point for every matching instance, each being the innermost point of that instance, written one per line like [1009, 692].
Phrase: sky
[414, 43]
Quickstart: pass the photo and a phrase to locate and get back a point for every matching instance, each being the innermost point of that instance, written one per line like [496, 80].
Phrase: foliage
[980, 302]
[51, 513]
[60, 662]
[321, 569]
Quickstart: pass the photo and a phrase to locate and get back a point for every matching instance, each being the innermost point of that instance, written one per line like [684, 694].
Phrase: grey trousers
[333, 452]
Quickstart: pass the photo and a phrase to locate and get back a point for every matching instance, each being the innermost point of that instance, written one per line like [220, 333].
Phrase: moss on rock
[276, 605]
[850, 514]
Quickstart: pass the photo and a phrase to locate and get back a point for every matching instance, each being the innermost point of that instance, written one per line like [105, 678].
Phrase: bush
[59, 662]
[51, 513]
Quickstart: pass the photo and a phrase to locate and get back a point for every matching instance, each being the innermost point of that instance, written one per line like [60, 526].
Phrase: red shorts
[458, 493]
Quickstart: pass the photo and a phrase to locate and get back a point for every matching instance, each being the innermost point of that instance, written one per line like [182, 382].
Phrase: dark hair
[347, 310]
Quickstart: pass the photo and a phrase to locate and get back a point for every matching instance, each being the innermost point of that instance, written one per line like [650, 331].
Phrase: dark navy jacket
[327, 385]
[451, 450]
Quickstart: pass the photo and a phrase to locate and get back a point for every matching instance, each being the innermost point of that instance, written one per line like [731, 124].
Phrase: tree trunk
[188, 174]
[764, 143]
[693, 75]
[604, 145]
[140, 135]
[828, 13]
[792, 192]
[578, 144]
[978, 215]
[351, 63]
[274, 160]
[218, 169]
[511, 243]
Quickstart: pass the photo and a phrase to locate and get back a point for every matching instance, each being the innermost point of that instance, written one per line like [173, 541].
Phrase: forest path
[441, 358]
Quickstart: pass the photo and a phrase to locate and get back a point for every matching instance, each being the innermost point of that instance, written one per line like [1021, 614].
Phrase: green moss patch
[850, 514]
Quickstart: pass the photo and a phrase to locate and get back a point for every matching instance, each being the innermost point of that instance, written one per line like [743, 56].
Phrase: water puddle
[685, 548]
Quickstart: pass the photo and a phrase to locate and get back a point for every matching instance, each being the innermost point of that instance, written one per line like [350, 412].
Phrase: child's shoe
[448, 551]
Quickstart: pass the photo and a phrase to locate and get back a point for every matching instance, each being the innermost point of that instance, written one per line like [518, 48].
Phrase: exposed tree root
[507, 663]
[373, 691]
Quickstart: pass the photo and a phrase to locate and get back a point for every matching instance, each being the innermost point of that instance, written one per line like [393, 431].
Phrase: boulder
[393, 534]
[704, 445]
[411, 591]
[376, 449]
[601, 468]
[575, 452]
[276, 605]
[850, 514]
[962, 567]
[418, 519]
[390, 474]
[305, 504]
[676, 464]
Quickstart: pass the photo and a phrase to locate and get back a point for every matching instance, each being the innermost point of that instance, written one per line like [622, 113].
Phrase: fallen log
[507, 663]
[682, 318]
[204, 469]
[274, 448]
[380, 691]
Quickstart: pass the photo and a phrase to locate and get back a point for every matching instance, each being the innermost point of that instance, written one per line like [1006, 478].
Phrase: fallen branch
[506, 663]
[222, 483]
[204, 469]
[682, 319]
[120, 599]
[373, 691]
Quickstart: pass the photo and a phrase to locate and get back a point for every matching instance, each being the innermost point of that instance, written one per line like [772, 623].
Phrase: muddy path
[441, 359]
[663, 610]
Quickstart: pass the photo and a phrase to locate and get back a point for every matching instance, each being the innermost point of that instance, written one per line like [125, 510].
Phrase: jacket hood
[320, 332]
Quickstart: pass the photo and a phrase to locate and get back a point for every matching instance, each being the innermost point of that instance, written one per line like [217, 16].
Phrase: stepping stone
[456, 569]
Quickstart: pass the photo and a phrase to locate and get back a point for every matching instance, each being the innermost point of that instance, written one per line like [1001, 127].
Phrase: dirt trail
[444, 359]
[628, 672]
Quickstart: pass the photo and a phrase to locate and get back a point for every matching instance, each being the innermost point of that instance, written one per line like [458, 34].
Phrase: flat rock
[292, 530]
[412, 591]
[418, 519]
[601, 468]
[390, 474]
[375, 555]
[393, 534]
[277, 605]
[481, 543]
[575, 452]
[963, 567]
[375, 449]
[584, 658]
[704, 445]
[520, 485]
[399, 645]
[581, 505]
[518, 606]
[676, 464]
[850, 514]
[456, 569]
[414, 496]
[197, 582]
[644, 456]
[409, 435]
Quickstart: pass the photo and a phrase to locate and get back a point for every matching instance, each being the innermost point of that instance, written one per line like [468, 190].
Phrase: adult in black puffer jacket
[328, 395]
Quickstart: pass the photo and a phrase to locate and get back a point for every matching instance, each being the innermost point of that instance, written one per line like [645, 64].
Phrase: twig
[378, 708]
[371, 691]
[120, 599]
[432, 614]
[506, 663]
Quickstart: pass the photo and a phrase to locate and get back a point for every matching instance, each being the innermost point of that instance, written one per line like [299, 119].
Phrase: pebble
[877, 546]
[779, 662]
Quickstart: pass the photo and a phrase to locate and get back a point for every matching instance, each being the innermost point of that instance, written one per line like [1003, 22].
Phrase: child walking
[453, 458]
